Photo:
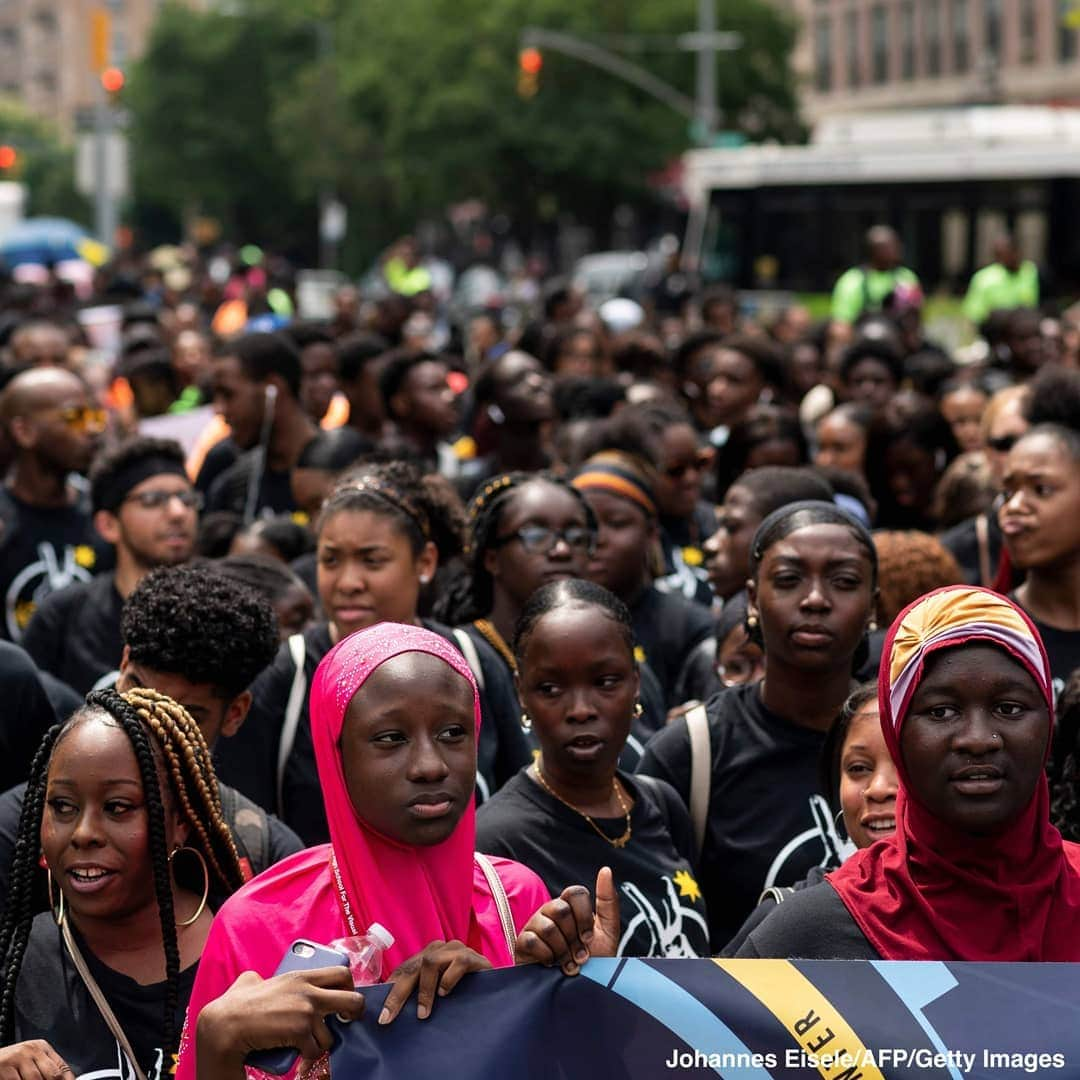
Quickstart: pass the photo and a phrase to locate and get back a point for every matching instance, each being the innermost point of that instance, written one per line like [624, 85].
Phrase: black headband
[115, 489]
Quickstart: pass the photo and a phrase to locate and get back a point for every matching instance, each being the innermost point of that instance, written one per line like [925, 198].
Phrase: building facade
[46, 51]
[869, 54]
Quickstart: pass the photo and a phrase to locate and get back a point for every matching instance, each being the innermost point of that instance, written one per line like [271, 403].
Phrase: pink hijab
[420, 894]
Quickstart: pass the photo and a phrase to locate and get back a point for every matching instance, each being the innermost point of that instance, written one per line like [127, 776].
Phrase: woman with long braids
[382, 533]
[525, 531]
[122, 808]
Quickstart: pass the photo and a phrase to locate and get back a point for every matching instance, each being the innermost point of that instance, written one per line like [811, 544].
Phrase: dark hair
[111, 464]
[262, 355]
[832, 749]
[472, 594]
[781, 523]
[874, 349]
[423, 507]
[692, 346]
[217, 530]
[1054, 398]
[855, 412]
[732, 615]
[1065, 761]
[762, 424]
[572, 592]
[305, 332]
[270, 578]
[283, 534]
[396, 370]
[356, 351]
[198, 623]
[774, 486]
[911, 564]
[587, 397]
[158, 729]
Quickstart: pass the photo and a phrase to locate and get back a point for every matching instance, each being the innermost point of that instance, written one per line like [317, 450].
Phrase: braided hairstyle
[471, 595]
[159, 730]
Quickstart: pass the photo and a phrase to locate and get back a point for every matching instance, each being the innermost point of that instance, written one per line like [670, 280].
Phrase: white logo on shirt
[666, 928]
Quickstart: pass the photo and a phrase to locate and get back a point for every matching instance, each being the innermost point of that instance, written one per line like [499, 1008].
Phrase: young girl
[572, 810]
[122, 806]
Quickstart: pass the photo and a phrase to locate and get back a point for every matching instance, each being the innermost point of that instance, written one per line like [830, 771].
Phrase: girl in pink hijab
[394, 717]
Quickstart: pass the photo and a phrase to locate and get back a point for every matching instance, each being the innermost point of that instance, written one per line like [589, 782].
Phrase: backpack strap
[697, 727]
[250, 826]
[472, 657]
[502, 901]
[298, 650]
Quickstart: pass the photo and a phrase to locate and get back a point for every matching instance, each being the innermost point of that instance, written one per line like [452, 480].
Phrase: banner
[738, 1019]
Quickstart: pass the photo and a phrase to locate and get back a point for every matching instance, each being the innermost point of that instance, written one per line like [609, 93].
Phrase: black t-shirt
[668, 628]
[52, 1003]
[812, 924]
[218, 459]
[229, 491]
[767, 824]
[662, 909]
[41, 551]
[1062, 650]
[684, 561]
[260, 838]
[26, 715]
[248, 761]
[75, 633]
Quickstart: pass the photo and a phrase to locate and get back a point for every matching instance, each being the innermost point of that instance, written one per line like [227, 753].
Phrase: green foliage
[46, 164]
[404, 107]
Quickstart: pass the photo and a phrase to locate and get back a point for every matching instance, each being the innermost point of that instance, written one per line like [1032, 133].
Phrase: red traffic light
[9, 156]
[531, 61]
[112, 79]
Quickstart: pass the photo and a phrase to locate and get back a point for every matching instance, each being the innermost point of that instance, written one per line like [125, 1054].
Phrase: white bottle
[365, 953]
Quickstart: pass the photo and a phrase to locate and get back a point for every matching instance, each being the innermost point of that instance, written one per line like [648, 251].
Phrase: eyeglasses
[81, 418]
[159, 499]
[540, 539]
[1003, 443]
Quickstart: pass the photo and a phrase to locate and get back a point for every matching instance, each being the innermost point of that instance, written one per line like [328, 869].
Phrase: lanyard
[343, 896]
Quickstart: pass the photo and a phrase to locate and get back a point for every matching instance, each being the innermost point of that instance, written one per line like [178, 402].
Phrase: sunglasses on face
[539, 539]
[158, 500]
[81, 418]
[1003, 443]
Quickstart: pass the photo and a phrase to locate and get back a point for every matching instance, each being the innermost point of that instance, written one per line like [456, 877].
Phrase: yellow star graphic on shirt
[687, 885]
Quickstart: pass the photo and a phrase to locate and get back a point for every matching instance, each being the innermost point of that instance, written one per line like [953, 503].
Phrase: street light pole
[706, 70]
[105, 217]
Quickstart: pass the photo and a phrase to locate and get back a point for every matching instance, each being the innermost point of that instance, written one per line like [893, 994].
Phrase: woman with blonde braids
[122, 808]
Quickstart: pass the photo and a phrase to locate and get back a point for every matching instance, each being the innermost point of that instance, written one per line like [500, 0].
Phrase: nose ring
[994, 735]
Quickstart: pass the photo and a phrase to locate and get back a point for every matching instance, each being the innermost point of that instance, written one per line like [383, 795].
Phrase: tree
[46, 164]
[404, 107]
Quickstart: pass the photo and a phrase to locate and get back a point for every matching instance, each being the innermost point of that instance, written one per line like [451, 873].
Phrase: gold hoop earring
[206, 881]
[639, 710]
[57, 913]
[526, 722]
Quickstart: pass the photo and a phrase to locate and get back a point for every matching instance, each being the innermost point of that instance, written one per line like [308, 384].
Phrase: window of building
[1027, 31]
[931, 13]
[907, 39]
[960, 35]
[823, 56]
[851, 32]
[879, 35]
[1066, 31]
[992, 28]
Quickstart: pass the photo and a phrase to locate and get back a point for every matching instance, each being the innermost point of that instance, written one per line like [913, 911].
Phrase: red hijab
[932, 892]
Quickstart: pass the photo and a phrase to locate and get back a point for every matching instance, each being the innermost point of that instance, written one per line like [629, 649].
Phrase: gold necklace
[495, 640]
[619, 842]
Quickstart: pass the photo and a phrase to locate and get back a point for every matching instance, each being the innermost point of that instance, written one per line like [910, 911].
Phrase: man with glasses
[47, 539]
[144, 505]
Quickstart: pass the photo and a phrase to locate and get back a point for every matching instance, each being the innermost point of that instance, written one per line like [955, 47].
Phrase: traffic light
[530, 61]
[9, 158]
[112, 81]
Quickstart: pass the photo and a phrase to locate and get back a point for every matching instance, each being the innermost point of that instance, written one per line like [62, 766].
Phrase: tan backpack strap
[697, 726]
[502, 901]
[99, 999]
[982, 534]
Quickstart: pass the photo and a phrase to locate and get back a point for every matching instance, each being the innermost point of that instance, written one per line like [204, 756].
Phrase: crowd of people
[644, 628]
